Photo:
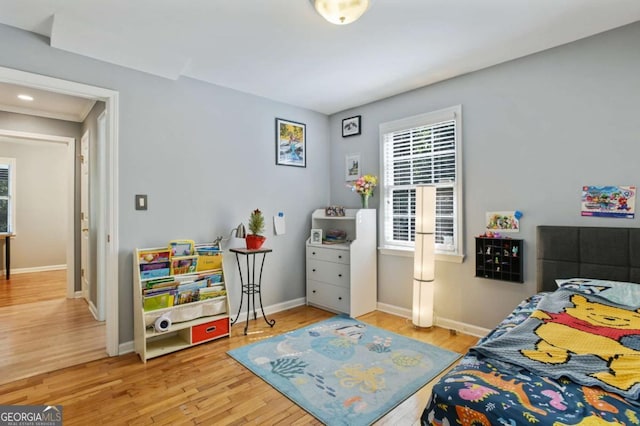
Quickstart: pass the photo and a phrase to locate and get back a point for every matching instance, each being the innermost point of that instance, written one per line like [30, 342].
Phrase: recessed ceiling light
[25, 97]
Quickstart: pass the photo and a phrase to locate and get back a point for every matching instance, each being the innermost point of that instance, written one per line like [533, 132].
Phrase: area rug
[342, 371]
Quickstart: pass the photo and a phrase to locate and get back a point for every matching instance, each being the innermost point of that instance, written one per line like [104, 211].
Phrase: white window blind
[421, 150]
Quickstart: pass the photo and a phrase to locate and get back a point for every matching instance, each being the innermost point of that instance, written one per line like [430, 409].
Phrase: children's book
[151, 256]
[181, 247]
[154, 270]
[159, 301]
[183, 264]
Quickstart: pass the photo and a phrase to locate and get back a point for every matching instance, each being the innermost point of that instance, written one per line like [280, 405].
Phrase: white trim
[126, 347]
[37, 269]
[272, 309]
[77, 295]
[47, 114]
[109, 187]
[70, 158]
[408, 252]
[451, 113]
[394, 310]
[93, 310]
[469, 329]
[461, 327]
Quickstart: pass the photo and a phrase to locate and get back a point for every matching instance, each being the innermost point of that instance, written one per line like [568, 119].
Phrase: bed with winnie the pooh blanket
[569, 355]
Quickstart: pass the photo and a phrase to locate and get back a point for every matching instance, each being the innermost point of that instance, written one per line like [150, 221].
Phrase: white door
[85, 274]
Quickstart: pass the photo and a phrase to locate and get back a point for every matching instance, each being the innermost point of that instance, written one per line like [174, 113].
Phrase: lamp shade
[424, 256]
[341, 12]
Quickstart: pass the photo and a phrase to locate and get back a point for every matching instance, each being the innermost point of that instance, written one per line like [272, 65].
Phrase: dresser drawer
[329, 296]
[327, 254]
[328, 272]
[209, 330]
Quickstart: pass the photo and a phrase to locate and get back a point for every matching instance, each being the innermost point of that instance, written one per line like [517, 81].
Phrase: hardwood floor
[33, 287]
[201, 385]
[40, 330]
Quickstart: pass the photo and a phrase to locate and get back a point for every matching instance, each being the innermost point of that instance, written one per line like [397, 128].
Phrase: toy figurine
[514, 251]
[488, 250]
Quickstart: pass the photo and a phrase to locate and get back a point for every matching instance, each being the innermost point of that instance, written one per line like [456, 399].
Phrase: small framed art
[351, 167]
[291, 143]
[351, 126]
[316, 237]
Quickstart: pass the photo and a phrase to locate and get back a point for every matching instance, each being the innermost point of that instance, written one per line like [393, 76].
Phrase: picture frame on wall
[351, 126]
[316, 237]
[291, 143]
[352, 167]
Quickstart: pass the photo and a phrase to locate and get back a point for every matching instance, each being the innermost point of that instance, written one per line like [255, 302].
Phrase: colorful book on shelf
[159, 282]
[183, 264]
[158, 301]
[181, 247]
[211, 292]
[154, 270]
[153, 255]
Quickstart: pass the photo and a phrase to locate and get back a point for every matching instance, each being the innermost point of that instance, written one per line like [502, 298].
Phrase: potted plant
[256, 225]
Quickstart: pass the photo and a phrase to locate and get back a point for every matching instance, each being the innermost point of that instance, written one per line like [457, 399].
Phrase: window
[424, 149]
[7, 194]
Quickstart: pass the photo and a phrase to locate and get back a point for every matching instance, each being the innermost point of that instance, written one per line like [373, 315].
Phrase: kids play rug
[342, 371]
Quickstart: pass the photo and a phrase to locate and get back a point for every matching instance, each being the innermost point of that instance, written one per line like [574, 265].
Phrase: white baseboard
[395, 310]
[93, 309]
[469, 329]
[77, 295]
[438, 321]
[36, 269]
[125, 348]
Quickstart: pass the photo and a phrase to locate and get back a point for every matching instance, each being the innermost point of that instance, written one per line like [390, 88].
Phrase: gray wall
[41, 202]
[205, 157]
[27, 249]
[534, 130]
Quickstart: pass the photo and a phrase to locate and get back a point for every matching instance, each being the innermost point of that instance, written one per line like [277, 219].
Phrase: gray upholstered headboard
[587, 252]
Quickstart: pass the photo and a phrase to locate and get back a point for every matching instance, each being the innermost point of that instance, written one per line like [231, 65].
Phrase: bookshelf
[499, 259]
[180, 299]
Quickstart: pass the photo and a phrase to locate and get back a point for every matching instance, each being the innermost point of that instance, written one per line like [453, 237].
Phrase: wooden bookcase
[500, 259]
[192, 322]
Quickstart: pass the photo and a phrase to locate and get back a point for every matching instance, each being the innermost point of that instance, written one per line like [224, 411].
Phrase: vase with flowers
[364, 186]
[256, 226]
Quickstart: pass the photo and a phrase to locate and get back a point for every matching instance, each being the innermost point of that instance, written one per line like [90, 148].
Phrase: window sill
[441, 257]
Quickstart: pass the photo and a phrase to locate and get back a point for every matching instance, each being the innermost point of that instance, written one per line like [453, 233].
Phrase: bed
[568, 355]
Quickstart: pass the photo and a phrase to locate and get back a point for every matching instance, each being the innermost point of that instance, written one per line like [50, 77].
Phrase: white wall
[205, 155]
[534, 131]
[41, 202]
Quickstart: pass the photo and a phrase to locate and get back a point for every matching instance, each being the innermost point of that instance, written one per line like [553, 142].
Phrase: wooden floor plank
[201, 385]
[41, 330]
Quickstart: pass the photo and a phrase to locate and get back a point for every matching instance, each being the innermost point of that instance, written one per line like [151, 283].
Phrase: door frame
[85, 257]
[70, 157]
[107, 231]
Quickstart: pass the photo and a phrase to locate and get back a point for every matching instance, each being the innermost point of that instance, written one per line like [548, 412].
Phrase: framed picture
[351, 167]
[351, 126]
[316, 237]
[291, 143]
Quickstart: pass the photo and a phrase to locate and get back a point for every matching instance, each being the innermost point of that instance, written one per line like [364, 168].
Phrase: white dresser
[343, 277]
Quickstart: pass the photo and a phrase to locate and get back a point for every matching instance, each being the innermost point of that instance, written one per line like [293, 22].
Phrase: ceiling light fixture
[25, 97]
[341, 12]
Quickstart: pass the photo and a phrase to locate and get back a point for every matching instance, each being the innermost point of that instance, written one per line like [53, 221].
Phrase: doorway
[107, 187]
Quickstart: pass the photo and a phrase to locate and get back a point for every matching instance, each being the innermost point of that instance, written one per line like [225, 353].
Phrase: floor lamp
[424, 256]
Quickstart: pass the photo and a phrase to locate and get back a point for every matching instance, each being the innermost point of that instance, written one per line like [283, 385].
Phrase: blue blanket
[591, 340]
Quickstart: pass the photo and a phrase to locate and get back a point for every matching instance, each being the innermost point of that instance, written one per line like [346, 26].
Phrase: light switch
[141, 202]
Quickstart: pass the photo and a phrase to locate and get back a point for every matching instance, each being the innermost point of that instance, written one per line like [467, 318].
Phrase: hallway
[41, 330]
